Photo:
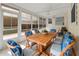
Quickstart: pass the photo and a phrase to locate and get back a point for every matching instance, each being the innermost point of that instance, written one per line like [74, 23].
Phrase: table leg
[46, 53]
[43, 51]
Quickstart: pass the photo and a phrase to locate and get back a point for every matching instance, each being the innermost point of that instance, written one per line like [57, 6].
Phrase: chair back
[28, 33]
[12, 43]
[17, 50]
[52, 30]
[67, 39]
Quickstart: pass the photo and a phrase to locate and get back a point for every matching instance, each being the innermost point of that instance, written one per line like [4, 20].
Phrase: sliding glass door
[34, 22]
[10, 23]
[26, 22]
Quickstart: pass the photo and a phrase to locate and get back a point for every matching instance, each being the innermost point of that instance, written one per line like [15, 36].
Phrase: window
[49, 21]
[26, 27]
[73, 14]
[42, 22]
[26, 21]
[34, 22]
[10, 23]
[59, 20]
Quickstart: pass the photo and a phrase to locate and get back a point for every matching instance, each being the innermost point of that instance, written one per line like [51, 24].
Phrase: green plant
[44, 30]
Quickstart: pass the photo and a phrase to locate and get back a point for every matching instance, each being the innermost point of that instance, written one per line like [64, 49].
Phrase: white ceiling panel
[45, 9]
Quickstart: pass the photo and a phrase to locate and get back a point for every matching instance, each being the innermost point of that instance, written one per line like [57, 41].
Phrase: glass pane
[34, 22]
[6, 32]
[26, 21]
[14, 22]
[7, 22]
[10, 23]
[26, 27]
[42, 22]
[49, 20]
[40, 26]
[35, 26]
[60, 21]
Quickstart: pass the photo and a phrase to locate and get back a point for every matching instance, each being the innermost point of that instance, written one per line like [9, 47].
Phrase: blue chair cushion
[66, 41]
[28, 33]
[12, 43]
[52, 30]
[17, 50]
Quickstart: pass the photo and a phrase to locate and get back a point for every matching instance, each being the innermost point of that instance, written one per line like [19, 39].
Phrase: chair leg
[74, 52]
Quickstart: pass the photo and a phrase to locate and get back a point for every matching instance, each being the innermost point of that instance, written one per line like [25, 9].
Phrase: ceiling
[45, 9]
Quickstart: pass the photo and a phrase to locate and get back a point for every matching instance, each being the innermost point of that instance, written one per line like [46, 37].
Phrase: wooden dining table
[42, 40]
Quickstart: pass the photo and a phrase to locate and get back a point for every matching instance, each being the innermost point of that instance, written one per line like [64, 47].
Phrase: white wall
[62, 12]
[73, 27]
[77, 26]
